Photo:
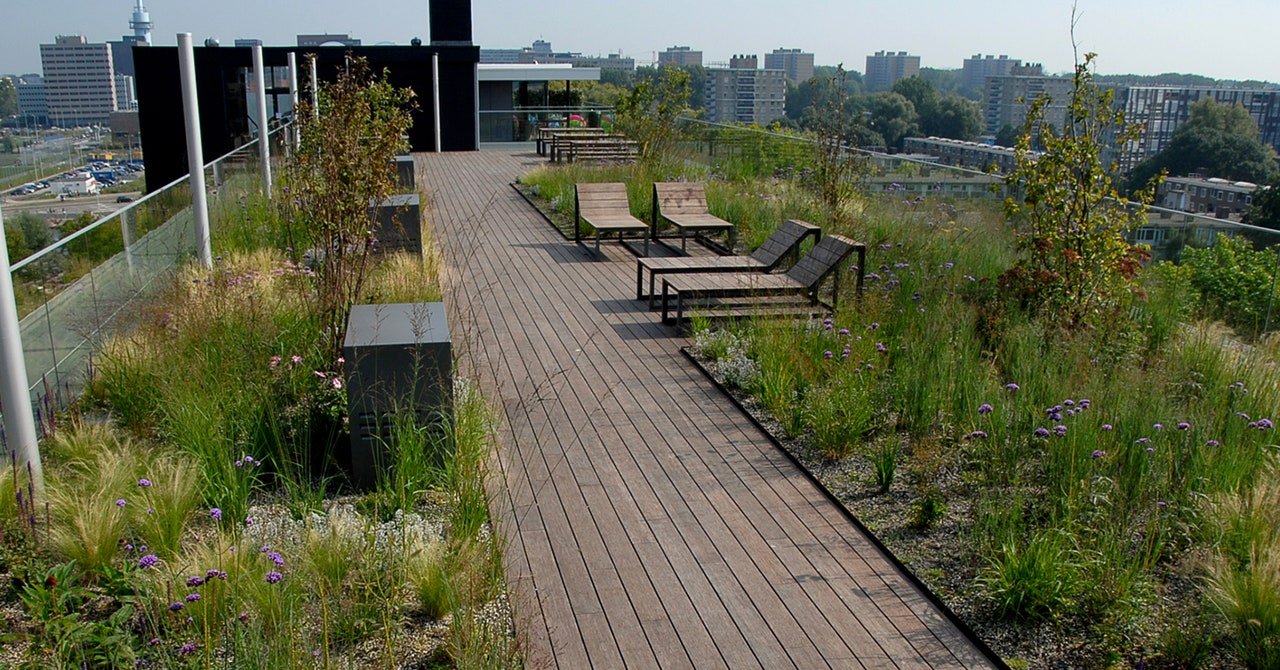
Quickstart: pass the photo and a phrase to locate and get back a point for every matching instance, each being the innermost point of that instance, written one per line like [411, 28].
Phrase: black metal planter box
[399, 358]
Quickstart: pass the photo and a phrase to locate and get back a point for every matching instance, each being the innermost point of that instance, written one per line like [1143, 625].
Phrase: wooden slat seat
[803, 279]
[782, 244]
[684, 205]
[605, 207]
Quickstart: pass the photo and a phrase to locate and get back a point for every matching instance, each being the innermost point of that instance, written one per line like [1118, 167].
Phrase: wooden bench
[557, 139]
[784, 243]
[684, 205]
[803, 279]
[606, 147]
[606, 209]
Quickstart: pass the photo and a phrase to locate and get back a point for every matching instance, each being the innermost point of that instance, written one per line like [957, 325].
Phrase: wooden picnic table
[547, 138]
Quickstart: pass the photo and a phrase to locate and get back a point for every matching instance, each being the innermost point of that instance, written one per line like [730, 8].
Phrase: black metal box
[398, 223]
[399, 358]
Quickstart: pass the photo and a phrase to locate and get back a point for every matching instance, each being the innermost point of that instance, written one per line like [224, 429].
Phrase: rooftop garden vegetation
[1061, 437]
[195, 511]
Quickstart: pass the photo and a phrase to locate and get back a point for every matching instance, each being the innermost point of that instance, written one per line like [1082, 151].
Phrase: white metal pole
[315, 89]
[264, 139]
[15, 394]
[293, 95]
[435, 97]
[195, 148]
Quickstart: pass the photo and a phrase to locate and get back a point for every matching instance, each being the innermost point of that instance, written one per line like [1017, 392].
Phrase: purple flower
[1265, 424]
[187, 649]
[977, 435]
[295, 359]
[874, 326]
[151, 510]
[1084, 402]
[1161, 504]
[1107, 427]
[1011, 387]
[264, 549]
[120, 502]
[1041, 432]
[276, 558]
[176, 607]
[215, 514]
[275, 360]
[153, 642]
[1158, 426]
[1068, 403]
[1060, 430]
[948, 265]
[210, 574]
[1150, 450]
[1213, 443]
[273, 577]
[880, 347]
[243, 617]
[144, 482]
[128, 546]
[148, 561]
[827, 323]
[1244, 416]
[844, 331]
[1183, 425]
[1098, 453]
[984, 408]
[845, 353]
[240, 463]
[192, 597]
[828, 355]
[196, 580]
[1142, 440]
[248, 521]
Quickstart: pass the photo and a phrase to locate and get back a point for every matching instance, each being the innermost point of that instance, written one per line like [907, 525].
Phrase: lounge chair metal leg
[640, 282]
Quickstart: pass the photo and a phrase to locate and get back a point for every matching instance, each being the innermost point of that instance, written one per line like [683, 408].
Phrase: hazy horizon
[1143, 37]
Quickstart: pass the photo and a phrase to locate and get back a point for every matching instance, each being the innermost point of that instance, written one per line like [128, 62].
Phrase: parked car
[123, 198]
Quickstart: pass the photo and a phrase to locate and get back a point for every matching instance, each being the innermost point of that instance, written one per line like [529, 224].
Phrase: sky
[1226, 39]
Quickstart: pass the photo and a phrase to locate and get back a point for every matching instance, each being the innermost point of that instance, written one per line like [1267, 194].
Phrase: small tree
[343, 163]
[1070, 221]
[836, 168]
[650, 115]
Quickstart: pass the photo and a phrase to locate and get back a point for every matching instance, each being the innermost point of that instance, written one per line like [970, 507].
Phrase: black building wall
[224, 113]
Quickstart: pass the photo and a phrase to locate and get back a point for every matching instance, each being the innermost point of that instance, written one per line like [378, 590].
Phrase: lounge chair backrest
[603, 199]
[824, 257]
[679, 197]
[784, 240]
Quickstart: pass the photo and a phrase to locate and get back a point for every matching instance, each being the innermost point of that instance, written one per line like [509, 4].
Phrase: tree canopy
[1216, 141]
[1265, 210]
[8, 97]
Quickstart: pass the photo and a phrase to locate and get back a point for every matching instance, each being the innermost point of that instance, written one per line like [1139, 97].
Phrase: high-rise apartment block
[1161, 109]
[978, 67]
[797, 64]
[680, 56]
[79, 81]
[540, 53]
[885, 68]
[1007, 98]
[743, 94]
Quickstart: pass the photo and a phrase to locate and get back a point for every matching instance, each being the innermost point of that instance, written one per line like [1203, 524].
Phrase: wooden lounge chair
[684, 205]
[783, 243]
[605, 208]
[803, 279]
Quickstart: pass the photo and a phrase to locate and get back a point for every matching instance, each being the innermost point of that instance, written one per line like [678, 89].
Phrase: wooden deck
[649, 523]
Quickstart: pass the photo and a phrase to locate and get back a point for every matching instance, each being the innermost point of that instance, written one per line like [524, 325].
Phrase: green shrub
[1236, 282]
[1033, 577]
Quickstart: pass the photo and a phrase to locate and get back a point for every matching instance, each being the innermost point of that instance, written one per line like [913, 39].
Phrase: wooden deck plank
[650, 519]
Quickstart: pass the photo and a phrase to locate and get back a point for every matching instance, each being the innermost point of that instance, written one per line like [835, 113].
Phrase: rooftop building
[328, 40]
[978, 67]
[885, 68]
[1219, 198]
[797, 65]
[33, 104]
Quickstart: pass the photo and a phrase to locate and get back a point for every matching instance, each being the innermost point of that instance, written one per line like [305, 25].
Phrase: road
[98, 204]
